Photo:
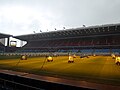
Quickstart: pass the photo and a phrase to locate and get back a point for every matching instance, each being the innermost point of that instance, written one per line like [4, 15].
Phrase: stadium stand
[4, 35]
[2, 47]
[85, 39]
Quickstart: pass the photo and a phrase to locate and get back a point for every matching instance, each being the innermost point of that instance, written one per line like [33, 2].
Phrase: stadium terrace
[104, 38]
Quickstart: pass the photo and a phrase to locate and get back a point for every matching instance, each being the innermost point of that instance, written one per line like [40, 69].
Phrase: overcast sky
[19, 17]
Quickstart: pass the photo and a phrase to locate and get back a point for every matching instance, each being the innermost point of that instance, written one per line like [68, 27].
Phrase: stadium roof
[108, 29]
[4, 35]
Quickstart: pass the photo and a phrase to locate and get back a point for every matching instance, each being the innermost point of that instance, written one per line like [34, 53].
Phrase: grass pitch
[99, 69]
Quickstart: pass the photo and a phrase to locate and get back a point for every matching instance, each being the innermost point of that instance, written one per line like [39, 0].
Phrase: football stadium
[87, 54]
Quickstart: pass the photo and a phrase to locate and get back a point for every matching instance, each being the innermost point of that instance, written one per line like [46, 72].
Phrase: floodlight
[13, 43]
[84, 26]
[40, 30]
[24, 57]
[49, 59]
[74, 56]
[117, 60]
[33, 31]
[113, 56]
[70, 59]
[94, 55]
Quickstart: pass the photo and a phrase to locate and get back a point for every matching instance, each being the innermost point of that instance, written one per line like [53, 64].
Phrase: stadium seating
[96, 39]
[73, 43]
[2, 47]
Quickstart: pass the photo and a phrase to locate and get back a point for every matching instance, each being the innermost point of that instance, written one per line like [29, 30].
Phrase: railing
[11, 85]
[15, 82]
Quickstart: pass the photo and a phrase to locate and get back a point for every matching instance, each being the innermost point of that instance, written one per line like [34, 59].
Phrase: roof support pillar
[8, 40]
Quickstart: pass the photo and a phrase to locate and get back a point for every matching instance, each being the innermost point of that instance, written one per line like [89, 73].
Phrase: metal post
[8, 39]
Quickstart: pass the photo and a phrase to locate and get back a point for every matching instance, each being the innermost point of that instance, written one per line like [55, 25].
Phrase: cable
[43, 63]
[17, 63]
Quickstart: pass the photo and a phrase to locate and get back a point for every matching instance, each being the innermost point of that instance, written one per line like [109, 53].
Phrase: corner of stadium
[78, 58]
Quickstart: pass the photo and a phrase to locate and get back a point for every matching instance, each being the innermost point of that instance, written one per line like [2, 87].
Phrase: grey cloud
[71, 13]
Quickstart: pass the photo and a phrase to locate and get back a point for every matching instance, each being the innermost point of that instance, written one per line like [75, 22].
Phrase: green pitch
[99, 69]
